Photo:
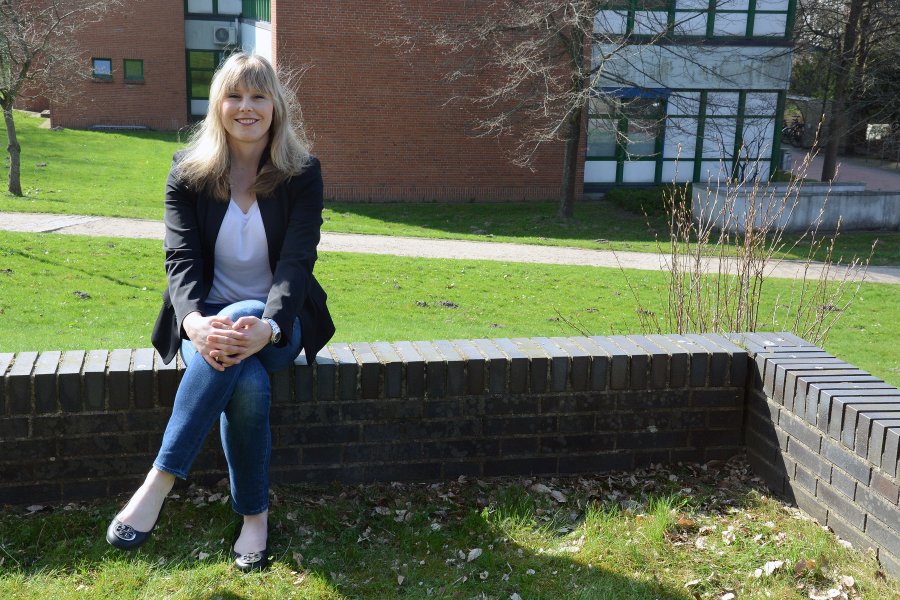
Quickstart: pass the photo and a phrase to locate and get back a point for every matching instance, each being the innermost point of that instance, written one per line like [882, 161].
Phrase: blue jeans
[240, 397]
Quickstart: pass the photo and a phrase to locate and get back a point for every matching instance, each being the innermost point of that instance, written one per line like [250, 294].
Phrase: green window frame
[259, 10]
[627, 130]
[133, 69]
[101, 68]
[736, 155]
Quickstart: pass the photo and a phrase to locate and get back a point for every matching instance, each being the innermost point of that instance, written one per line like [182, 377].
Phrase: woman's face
[247, 116]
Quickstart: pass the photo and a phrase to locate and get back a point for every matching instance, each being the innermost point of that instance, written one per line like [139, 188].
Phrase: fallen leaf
[728, 536]
[728, 596]
[804, 566]
[400, 579]
[202, 556]
[515, 596]
[530, 572]
[558, 496]
[772, 566]
[473, 554]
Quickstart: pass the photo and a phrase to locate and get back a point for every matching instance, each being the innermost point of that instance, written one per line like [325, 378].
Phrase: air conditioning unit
[224, 36]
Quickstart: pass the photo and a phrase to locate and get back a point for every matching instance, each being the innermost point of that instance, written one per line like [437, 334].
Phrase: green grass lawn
[72, 292]
[123, 175]
[674, 532]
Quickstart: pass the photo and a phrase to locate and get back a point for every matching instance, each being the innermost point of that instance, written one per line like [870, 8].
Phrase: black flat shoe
[249, 561]
[125, 537]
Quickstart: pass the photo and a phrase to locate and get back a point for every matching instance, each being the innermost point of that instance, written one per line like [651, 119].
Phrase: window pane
[200, 6]
[603, 105]
[601, 137]
[683, 103]
[641, 137]
[202, 60]
[102, 68]
[134, 70]
[722, 103]
[200, 81]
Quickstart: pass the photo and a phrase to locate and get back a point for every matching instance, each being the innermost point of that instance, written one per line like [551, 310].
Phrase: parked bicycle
[793, 133]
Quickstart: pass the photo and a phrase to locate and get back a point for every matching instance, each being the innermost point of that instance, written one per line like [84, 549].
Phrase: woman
[243, 212]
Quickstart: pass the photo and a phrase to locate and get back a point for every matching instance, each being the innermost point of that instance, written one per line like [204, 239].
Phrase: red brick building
[377, 117]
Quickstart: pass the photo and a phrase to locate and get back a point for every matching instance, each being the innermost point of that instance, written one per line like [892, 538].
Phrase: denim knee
[244, 308]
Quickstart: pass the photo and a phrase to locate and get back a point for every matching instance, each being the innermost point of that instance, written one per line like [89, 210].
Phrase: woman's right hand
[200, 328]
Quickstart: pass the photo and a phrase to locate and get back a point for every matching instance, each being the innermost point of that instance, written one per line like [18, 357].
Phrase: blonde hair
[206, 163]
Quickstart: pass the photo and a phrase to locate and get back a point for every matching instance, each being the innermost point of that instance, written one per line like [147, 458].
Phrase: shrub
[652, 201]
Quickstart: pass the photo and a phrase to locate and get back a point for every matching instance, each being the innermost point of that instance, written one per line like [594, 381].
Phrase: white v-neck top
[242, 258]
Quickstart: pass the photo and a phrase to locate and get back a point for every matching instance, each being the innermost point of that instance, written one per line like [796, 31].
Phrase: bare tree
[535, 66]
[847, 52]
[38, 55]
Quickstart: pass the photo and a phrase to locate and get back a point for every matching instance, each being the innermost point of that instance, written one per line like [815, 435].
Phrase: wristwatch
[276, 330]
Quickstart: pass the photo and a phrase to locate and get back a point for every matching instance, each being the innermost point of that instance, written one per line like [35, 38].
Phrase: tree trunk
[15, 152]
[837, 123]
[570, 166]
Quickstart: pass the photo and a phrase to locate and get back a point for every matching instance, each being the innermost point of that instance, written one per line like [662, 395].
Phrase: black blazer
[292, 217]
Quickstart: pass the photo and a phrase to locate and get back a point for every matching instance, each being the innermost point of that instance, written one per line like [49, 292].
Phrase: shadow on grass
[532, 222]
[633, 535]
[379, 541]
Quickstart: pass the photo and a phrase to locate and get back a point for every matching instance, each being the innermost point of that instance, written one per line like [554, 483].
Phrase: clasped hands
[223, 342]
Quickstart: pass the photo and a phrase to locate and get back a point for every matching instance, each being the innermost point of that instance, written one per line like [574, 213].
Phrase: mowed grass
[72, 292]
[674, 532]
[123, 175]
[70, 171]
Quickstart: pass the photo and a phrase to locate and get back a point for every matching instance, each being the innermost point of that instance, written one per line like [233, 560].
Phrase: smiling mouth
[247, 121]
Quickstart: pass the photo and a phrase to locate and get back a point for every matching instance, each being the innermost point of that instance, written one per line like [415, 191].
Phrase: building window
[134, 69]
[697, 18]
[102, 68]
[625, 128]
[258, 10]
[201, 65]
[217, 7]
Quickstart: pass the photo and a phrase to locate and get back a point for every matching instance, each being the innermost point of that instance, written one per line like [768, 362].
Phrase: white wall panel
[681, 170]
[199, 107]
[696, 66]
[599, 171]
[230, 7]
[639, 171]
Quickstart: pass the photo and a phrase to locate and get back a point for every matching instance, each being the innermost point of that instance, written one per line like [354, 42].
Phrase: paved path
[423, 247]
[878, 175]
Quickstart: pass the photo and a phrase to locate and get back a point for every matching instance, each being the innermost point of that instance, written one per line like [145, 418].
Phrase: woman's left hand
[231, 349]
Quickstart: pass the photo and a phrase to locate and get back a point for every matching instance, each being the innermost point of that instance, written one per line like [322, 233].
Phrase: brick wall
[378, 116]
[825, 434]
[149, 30]
[87, 424]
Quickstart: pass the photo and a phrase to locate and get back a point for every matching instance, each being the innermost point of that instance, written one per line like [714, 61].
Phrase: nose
[245, 103]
